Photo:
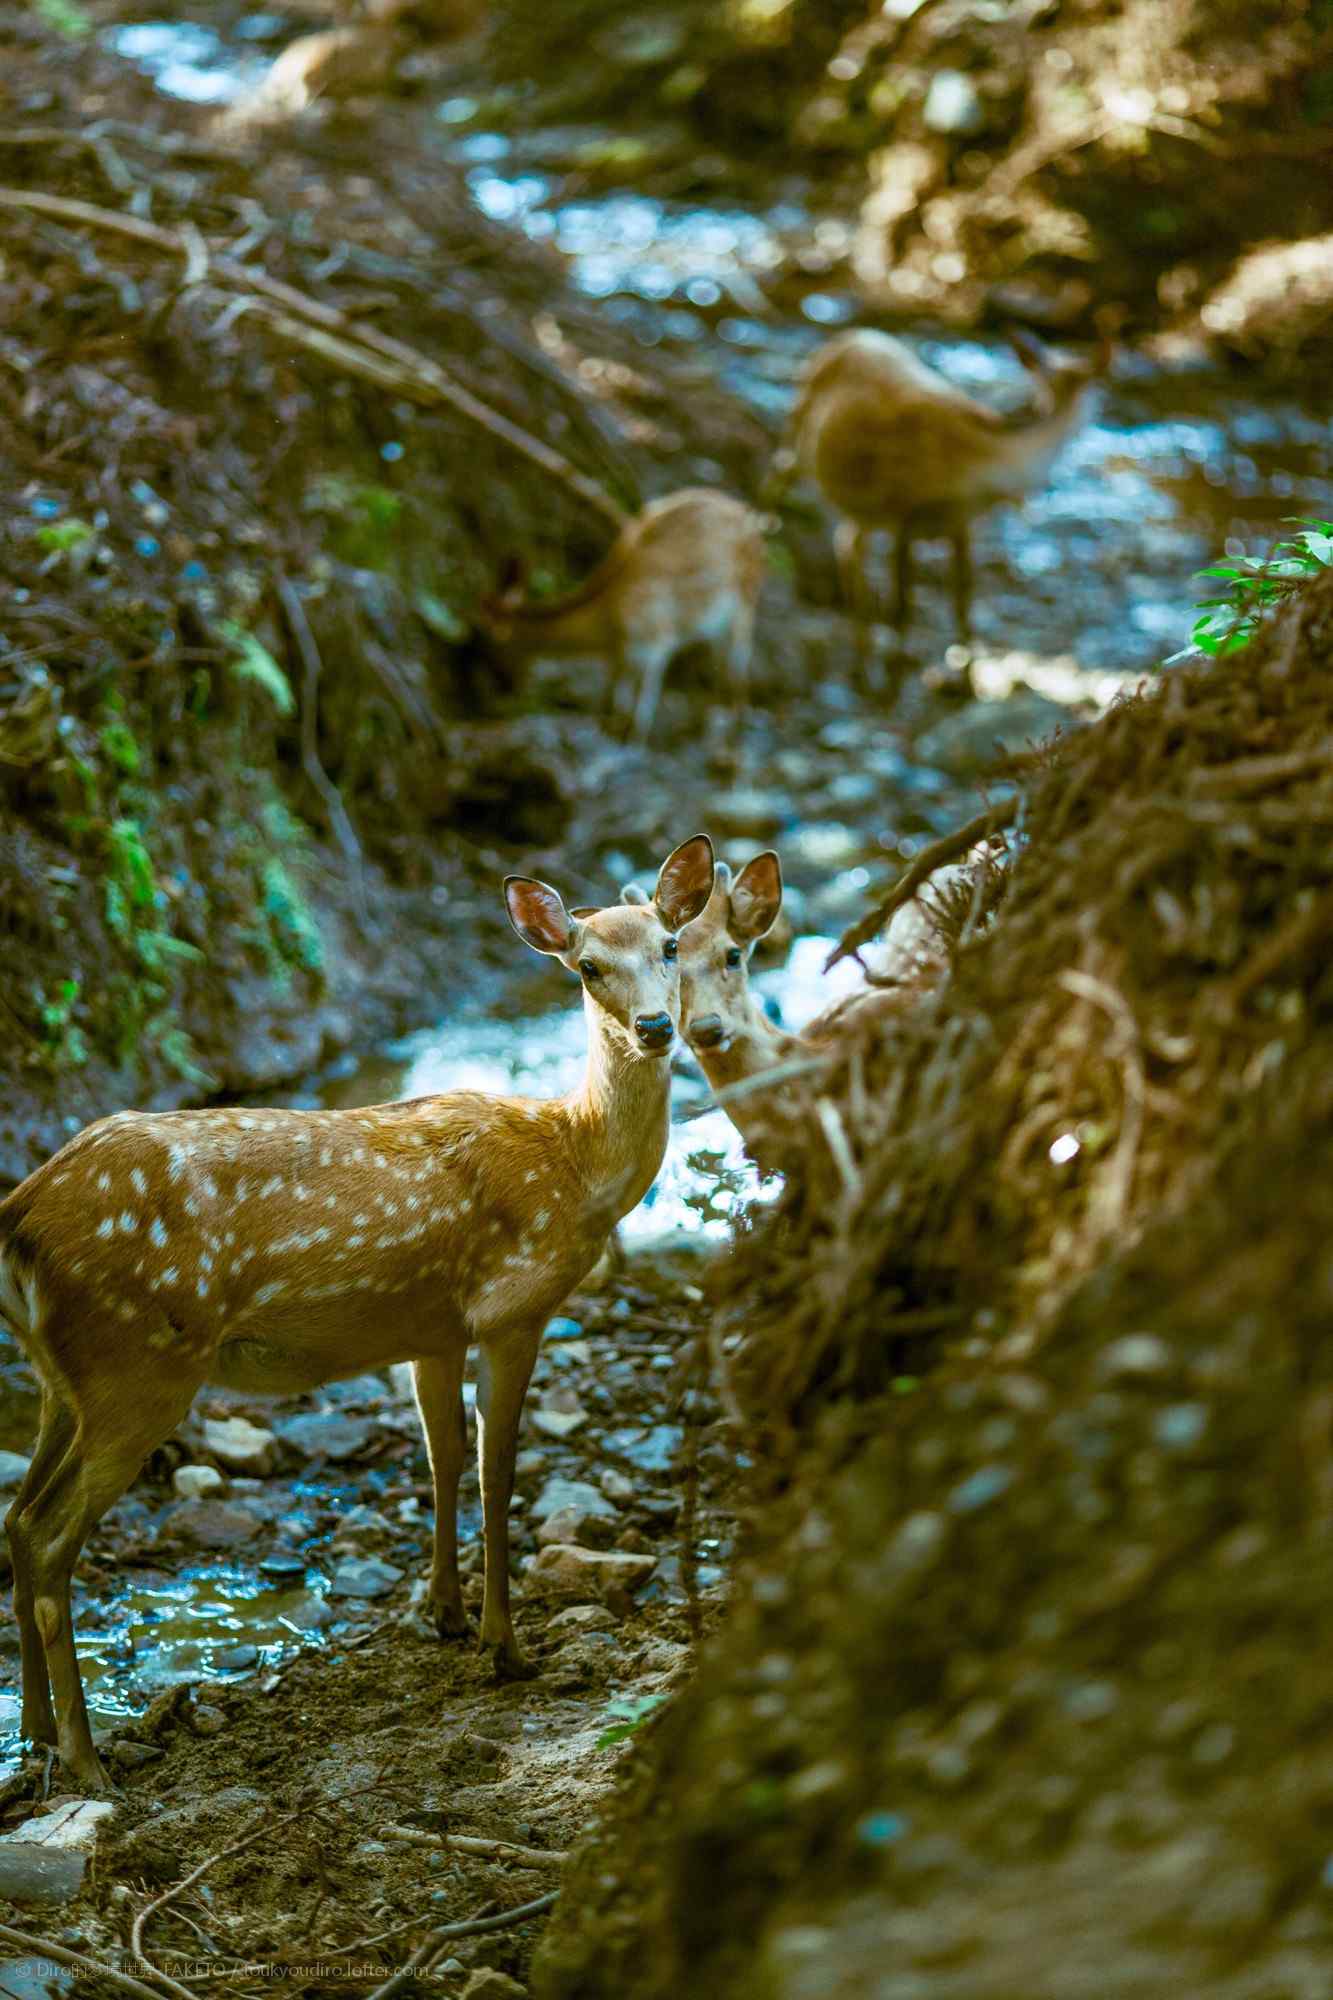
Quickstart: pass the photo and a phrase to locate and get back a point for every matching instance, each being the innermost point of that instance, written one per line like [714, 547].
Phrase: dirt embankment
[1041, 1586]
[253, 759]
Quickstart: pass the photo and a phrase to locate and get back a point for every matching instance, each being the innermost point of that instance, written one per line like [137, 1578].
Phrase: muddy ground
[170, 456]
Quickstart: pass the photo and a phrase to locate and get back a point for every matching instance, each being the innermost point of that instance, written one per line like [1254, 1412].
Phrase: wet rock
[34, 1978]
[330, 1434]
[205, 1720]
[197, 1482]
[32, 1873]
[240, 1446]
[73, 1826]
[209, 1524]
[574, 1524]
[562, 1329]
[986, 731]
[281, 1564]
[487, 1984]
[361, 1528]
[366, 1577]
[13, 1465]
[558, 1423]
[581, 1618]
[565, 1570]
[653, 1450]
[617, 1485]
[133, 1756]
[238, 1659]
[560, 1495]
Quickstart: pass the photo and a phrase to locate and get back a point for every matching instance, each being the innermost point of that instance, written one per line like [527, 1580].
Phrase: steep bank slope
[1023, 1692]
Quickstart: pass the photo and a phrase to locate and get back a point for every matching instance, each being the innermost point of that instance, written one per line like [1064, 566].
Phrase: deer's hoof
[506, 1662]
[447, 1621]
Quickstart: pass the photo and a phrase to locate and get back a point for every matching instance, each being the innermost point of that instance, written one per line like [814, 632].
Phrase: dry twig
[950, 847]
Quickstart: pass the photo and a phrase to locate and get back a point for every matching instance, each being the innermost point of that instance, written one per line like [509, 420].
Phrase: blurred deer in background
[891, 444]
[689, 567]
[270, 1251]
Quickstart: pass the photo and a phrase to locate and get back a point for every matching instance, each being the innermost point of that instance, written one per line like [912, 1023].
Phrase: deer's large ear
[686, 882]
[539, 916]
[756, 898]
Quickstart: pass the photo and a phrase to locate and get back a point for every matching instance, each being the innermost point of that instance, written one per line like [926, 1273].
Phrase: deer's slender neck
[756, 1045]
[1028, 448]
[619, 1115]
[575, 623]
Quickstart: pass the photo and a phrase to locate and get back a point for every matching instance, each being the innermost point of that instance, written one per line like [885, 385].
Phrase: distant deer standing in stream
[270, 1251]
[892, 445]
[688, 568]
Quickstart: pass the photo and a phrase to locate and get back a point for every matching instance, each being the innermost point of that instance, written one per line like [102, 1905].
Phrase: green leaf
[252, 661]
[66, 18]
[64, 535]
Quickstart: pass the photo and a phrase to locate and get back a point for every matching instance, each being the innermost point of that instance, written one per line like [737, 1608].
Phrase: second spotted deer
[687, 569]
[723, 1020]
[270, 1251]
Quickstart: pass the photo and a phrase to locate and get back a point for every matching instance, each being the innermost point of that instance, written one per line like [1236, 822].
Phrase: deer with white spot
[688, 569]
[270, 1251]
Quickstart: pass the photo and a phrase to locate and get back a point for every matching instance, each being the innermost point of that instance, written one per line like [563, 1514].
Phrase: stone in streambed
[563, 1569]
[198, 1482]
[559, 1494]
[365, 1578]
[209, 1524]
[240, 1446]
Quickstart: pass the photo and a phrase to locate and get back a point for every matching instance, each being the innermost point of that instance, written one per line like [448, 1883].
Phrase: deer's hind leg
[54, 1433]
[504, 1369]
[111, 1434]
[439, 1387]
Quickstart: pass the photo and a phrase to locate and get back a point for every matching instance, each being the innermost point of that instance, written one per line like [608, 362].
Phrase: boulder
[563, 1569]
[240, 1446]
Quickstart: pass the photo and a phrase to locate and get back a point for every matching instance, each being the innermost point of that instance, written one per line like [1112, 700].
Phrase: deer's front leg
[503, 1371]
[439, 1386]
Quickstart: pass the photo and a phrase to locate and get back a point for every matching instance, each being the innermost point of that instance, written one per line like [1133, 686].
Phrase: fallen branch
[492, 1850]
[439, 1939]
[950, 847]
[339, 819]
[356, 347]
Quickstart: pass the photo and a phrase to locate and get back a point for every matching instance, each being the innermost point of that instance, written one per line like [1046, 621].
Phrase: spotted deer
[269, 1251]
[722, 1019]
[689, 568]
[891, 444]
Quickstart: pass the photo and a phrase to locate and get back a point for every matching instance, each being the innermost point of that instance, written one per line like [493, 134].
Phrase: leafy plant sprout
[1258, 585]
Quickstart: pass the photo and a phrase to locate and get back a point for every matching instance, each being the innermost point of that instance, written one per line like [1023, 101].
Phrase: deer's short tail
[16, 1295]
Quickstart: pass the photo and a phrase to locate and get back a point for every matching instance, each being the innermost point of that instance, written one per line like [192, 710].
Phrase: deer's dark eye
[589, 970]
[734, 956]
[670, 949]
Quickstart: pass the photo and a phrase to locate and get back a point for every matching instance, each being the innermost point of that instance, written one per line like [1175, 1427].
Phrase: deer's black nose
[706, 1031]
[655, 1031]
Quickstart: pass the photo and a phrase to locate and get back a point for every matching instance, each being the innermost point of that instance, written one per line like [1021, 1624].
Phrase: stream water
[1172, 470]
